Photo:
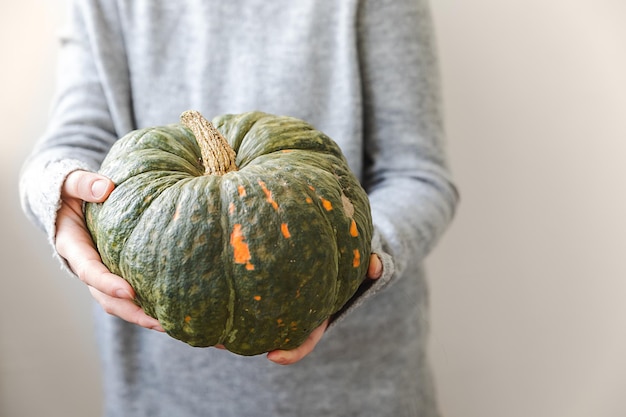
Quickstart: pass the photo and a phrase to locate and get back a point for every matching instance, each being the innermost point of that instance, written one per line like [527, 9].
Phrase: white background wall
[528, 286]
[48, 363]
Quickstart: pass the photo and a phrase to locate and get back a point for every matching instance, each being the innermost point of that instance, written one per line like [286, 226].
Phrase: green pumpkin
[248, 232]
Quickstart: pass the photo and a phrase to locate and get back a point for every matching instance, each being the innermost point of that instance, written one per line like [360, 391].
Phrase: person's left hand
[288, 357]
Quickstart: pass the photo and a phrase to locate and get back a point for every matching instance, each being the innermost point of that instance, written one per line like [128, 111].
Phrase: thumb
[87, 186]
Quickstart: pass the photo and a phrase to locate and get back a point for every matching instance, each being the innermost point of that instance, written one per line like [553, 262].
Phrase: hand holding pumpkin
[74, 244]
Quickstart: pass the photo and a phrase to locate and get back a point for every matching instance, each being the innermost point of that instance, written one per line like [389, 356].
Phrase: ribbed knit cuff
[41, 196]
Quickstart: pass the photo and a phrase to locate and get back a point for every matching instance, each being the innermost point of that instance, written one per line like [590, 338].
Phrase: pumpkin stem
[218, 157]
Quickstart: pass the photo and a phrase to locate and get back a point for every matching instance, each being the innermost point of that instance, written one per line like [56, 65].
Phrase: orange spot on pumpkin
[309, 200]
[285, 230]
[328, 206]
[231, 208]
[354, 231]
[241, 191]
[176, 213]
[187, 319]
[240, 247]
[356, 261]
[257, 298]
[268, 195]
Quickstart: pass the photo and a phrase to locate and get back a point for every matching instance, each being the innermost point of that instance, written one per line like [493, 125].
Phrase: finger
[87, 186]
[95, 274]
[288, 357]
[126, 310]
[74, 244]
[375, 268]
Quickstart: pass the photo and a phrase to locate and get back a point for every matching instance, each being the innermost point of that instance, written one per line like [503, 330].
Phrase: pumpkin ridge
[235, 127]
[149, 172]
[228, 272]
[183, 166]
[187, 143]
[135, 229]
[151, 141]
[243, 139]
[192, 152]
[194, 163]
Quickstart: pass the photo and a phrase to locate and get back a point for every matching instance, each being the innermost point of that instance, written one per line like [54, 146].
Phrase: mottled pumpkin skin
[254, 259]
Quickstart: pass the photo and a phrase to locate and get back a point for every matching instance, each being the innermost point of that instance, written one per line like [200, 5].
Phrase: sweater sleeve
[81, 127]
[411, 192]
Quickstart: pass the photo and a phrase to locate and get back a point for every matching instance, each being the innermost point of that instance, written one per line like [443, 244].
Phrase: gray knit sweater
[362, 71]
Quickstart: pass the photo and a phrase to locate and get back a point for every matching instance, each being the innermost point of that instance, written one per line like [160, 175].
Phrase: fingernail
[98, 188]
[158, 329]
[123, 294]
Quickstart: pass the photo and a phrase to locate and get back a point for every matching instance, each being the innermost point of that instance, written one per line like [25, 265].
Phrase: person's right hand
[74, 244]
